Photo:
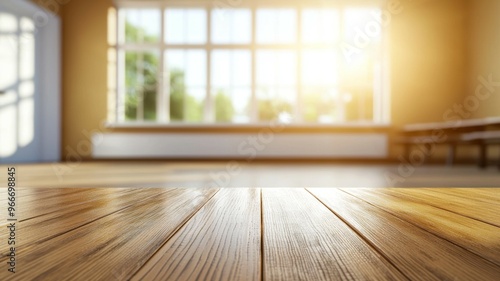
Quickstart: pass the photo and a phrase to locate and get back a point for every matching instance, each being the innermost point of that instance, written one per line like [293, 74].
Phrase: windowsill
[217, 127]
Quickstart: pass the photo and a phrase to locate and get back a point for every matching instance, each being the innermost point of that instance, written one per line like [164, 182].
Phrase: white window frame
[381, 102]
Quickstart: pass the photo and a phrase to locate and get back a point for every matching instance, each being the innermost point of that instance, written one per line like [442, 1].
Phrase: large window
[203, 64]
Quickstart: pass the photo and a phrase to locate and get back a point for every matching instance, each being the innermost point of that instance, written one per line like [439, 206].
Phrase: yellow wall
[484, 57]
[427, 64]
[85, 48]
[484, 52]
[428, 60]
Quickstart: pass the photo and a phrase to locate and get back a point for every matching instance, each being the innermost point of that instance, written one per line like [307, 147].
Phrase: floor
[254, 234]
[243, 174]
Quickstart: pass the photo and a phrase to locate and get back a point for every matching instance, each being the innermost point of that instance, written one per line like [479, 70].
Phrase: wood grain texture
[303, 240]
[483, 207]
[242, 234]
[35, 194]
[113, 247]
[220, 242]
[33, 206]
[35, 202]
[475, 236]
[69, 212]
[416, 252]
[490, 195]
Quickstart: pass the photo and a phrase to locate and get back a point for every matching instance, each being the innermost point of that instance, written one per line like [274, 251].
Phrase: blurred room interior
[316, 85]
[111, 94]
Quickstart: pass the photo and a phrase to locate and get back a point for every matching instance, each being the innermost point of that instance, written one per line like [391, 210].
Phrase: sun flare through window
[252, 64]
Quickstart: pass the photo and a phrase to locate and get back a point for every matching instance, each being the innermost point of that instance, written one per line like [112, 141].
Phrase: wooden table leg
[483, 151]
[451, 154]
[406, 152]
[498, 162]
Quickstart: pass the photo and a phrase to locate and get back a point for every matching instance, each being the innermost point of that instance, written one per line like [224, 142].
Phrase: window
[201, 64]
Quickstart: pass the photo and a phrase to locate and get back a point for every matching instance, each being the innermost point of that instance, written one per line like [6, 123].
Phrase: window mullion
[162, 99]
[121, 105]
[119, 69]
[141, 49]
[298, 112]
[384, 114]
[209, 111]
[342, 63]
[140, 88]
[254, 104]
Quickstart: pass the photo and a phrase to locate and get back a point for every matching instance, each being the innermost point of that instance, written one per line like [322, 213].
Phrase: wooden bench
[409, 141]
[483, 139]
[460, 132]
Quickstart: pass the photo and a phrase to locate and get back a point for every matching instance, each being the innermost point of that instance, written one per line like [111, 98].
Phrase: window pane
[320, 101]
[141, 25]
[360, 78]
[141, 70]
[320, 26]
[335, 86]
[231, 85]
[276, 26]
[364, 31]
[187, 74]
[276, 68]
[362, 26]
[322, 105]
[231, 68]
[276, 85]
[185, 26]
[319, 67]
[231, 26]
[276, 103]
[232, 105]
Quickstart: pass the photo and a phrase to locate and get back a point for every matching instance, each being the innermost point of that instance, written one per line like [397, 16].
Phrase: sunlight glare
[8, 23]
[112, 30]
[27, 24]
[27, 56]
[26, 121]
[8, 54]
[8, 126]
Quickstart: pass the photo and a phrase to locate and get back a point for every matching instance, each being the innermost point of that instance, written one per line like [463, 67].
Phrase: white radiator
[239, 145]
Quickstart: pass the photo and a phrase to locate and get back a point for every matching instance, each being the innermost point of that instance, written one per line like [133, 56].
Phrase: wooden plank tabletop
[221, 242]
[254, 234]
[470, 124]
[478, 237]
[303, 240]
[395, 238]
